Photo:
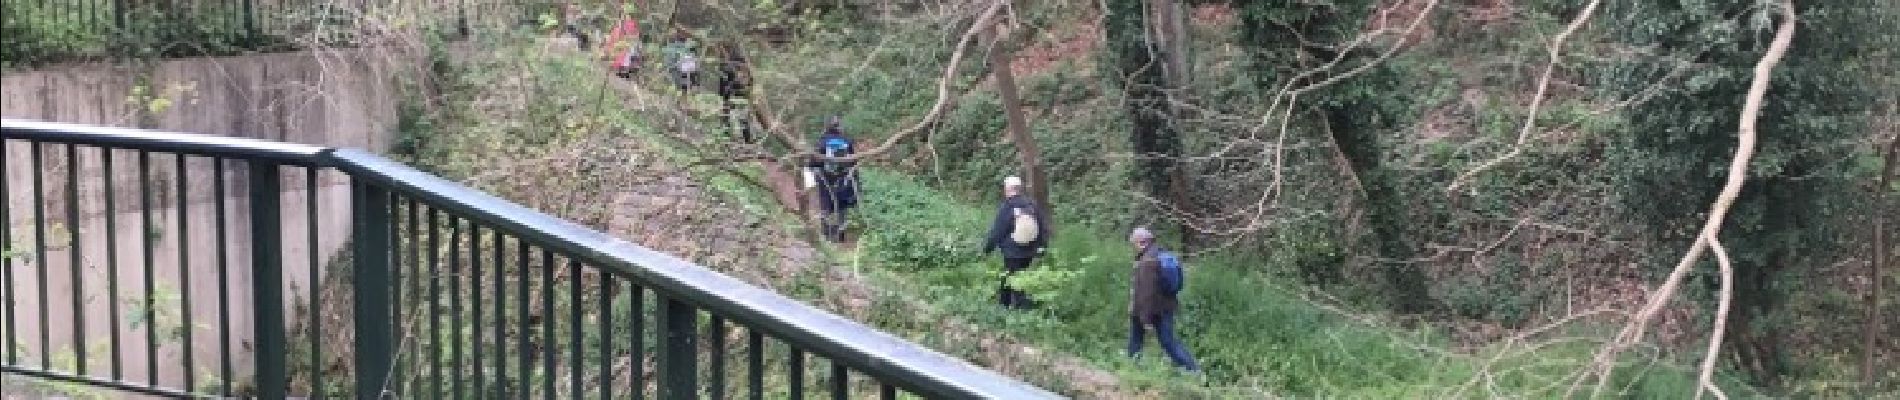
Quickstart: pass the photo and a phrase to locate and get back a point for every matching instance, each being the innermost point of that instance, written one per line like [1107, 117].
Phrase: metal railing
[448, 292]
[38, 31]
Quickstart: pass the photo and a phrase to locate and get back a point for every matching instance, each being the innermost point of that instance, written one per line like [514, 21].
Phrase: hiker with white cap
[1152, 299]
[1018, 232]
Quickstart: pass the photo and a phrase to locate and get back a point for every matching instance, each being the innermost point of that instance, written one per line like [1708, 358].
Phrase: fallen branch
[1718, 212]
[936, 111]
[1707, 380]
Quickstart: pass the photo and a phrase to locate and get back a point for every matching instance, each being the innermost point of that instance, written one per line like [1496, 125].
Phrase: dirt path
[677, 215]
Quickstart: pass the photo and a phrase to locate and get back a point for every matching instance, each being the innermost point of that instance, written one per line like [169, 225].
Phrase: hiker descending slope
[623, 46]
[1017, 230]
[682, 59]
[571, 25]
[836, 181]
[733, 100]
[1152, 299]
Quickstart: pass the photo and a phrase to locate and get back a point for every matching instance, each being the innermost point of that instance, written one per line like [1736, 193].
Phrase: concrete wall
[338, 99]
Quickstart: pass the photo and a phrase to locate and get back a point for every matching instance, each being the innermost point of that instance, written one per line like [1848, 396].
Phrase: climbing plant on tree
[1301, 45]
[1137, 68]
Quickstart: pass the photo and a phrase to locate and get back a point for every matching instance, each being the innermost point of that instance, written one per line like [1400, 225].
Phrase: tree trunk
[1757, 347]
[1869, 349]
[1170, 30]
[1154, 141]
[1167, 44]
[1403, 282]
[1026, 151]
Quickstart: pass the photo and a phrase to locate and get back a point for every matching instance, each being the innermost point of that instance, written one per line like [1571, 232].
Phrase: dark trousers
[1164, 332]
[833, 223]
[737, 117]
[1010, 297]
[836, 197]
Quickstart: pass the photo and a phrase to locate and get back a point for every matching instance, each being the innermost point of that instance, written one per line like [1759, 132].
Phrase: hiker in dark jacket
[571, 25]
[1150, 306]
[836, 180]
[732, 89]
[1016, 256]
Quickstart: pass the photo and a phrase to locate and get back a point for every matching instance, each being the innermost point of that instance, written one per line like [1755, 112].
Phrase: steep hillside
[1353, 237]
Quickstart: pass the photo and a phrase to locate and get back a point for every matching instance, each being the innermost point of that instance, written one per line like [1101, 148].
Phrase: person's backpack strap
[1172, 278]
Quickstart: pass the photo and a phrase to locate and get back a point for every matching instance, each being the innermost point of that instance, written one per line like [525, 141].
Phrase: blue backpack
[1172, 279]
[836, 146]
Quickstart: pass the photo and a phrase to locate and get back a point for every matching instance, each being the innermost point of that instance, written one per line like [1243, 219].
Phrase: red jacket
[629, 29]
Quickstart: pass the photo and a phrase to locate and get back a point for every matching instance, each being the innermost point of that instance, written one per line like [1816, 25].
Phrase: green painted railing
[449, 292]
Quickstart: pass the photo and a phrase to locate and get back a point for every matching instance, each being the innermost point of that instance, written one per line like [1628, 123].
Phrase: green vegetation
[1253, 334]
[1328, 258]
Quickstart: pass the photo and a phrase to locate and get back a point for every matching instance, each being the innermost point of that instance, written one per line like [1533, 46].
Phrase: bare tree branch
[1707, 380]
[1718, 212]
[1543, 84]
[936, 111]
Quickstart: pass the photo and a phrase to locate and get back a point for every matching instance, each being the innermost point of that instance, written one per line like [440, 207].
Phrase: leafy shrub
[1248, 331]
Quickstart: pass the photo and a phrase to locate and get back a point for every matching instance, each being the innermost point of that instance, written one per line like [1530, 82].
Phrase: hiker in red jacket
[625, 56]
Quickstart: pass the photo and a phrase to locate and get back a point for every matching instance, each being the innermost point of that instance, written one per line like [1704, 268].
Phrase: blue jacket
[1005, 222]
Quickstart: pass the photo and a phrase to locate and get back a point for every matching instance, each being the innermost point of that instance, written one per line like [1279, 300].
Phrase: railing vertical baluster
[887, 392]
[39, 255]
[501, 316]
[456, 384]
[77, 265]
[413, 335]
[639, 346]
[840, 381]
[312, 224]
[547, 323]
[184, 275]
[433, 332]
[461, 18]
[107, 175]
[716, 336]
[608, 285]
[250, 20]
[397, 214]
[224, 282]
[267, 278]
[375, 356]
[523, 336]
[679, 362]
[6, 260]
[118, 17]
[574, 329]
[475, 302]
[795, 372]
[148, 233]
[755, 363]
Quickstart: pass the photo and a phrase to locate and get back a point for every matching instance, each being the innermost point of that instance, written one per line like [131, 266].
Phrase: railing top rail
[161, 141]
[879, 354]
[875, 353]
